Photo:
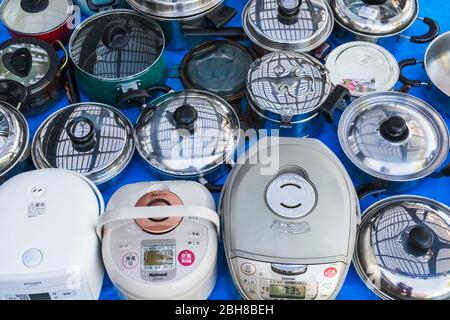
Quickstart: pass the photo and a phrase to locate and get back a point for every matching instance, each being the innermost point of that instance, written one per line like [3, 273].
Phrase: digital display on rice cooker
[287, 292]
[158, 258]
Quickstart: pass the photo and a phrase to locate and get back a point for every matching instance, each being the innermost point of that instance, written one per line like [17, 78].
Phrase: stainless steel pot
[286, 92]
[393, 138]
[438, 71]
[188, 135]
[380, 21]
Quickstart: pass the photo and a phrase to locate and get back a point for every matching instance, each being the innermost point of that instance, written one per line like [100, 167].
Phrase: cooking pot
[189, 22]
[393, 138]
[115, 52]
[35, 64]
[402, 247]
[91, 7]
[438, 71]
[48, 20]
[381, 21]
[92, 139]
[287, 25]
[286, 91]
[188, 135]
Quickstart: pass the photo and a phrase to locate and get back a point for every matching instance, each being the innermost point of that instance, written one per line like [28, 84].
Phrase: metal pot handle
[329, 106]
[371, 189]
[13, 93]
[100, 7]
[409, 83]
[140, 96]
[445, 172]
[430, 35]
[212, 187]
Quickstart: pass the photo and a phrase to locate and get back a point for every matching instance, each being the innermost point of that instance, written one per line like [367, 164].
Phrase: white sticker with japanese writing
[36, 209]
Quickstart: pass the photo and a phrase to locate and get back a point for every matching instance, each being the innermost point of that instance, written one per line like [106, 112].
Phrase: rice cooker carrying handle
[100, 7]
[120, 214]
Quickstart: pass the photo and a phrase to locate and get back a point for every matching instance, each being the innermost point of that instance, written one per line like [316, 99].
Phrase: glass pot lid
[92, 139]
[35, 16]
[375, 17]
[13, 137]
[285, 86]
[403, 248]
[116, 45]
[219, 67]
[363, 67]
[173, 9]
[393, 136]
[28, 61]
[298, 25]
[187, 133]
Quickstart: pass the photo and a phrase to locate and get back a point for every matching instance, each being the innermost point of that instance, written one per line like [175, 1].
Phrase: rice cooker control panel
[146, 257]
[271, 281]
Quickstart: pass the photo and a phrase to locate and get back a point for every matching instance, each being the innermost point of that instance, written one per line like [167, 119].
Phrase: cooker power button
[248, 269]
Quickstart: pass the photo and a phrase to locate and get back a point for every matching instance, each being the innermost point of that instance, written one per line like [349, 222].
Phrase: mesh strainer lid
[13, 137]
[375, 17]
[116, 44]
[284, 86]
[403, 248]
[35, 16]
[299, 25]
[92, 139]
[187, 133]
[393, 136]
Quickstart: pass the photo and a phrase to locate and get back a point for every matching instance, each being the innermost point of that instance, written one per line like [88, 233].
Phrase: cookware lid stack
[35, 16]
[284, 86]
[403, 248]
[28, 61]
[219, 67]
[363, 67]
[375, 17]
[116, 44]
[187, 133]
[393, 136]
[173, 9]
[92, 139]
[298, 25]
[13, 137]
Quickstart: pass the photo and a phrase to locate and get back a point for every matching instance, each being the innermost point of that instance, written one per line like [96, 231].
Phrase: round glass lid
[299, 25]
[219, 67]
[375, 17]
[27, 61]
[173, 9]
[35, 16]
[116, 44]
[92, 139]
[13, 137]
[363, 67]
[393, 136]
[403, 249]
[187, 133]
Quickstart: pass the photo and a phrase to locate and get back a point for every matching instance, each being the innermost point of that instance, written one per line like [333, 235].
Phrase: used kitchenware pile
[290, 113]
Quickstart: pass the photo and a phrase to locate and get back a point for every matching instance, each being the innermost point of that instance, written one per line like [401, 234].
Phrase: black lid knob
[420, 239]
[394, 129]
[34, 6]
[289, 8]
[185, 117]
[18, 62]
[81, 132]
[374, 2]
[115, 36]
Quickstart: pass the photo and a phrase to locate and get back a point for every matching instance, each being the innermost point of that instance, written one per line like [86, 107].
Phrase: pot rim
[445, 34]
[117, 11]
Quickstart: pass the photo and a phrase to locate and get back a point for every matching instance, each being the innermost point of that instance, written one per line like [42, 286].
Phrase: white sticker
[36, 209]
[368, 13]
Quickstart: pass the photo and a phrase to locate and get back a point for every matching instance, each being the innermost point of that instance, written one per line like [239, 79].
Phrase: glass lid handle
[115, 36]
[18, 62]
[420, 240]
[394, 129]
[185, 117]
[34, 6]
[289, 8]
[81, 132]
[374, 2]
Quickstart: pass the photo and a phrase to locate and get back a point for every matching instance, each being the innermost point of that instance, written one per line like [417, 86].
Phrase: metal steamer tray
[281, 248]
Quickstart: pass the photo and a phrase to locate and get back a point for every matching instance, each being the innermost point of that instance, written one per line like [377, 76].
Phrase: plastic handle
[219, 18]
[331, 103]
[99, 7]
[371, 189]
[121, 214]
[13, 92]
[403, 79]
[289, 8]
[430, 35]
[116, 36]
[139, 96]
[374, 2]
[34, 6]
[236, 33]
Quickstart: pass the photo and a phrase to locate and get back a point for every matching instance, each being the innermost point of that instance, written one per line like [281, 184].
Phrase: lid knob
[420, 239]
[115, 36]
[34, 6]
[374, 2]
[185, 117]
[82, 134]
[289, 8]
[19, 62]
[394, 129]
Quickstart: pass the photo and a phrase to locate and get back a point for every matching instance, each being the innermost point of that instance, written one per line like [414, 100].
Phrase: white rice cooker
[50, 248]
[160, 241]
[293, 235]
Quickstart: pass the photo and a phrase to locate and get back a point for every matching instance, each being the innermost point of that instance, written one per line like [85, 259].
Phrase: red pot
[47, 20]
